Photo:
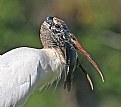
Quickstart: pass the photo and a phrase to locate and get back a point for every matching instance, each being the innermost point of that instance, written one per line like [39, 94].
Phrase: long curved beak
[86, 54]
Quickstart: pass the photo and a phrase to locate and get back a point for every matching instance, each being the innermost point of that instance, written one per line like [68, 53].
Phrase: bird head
[54, 33]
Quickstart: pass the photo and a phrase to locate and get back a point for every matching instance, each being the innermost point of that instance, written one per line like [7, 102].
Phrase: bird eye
[57, 26]
[49, 18]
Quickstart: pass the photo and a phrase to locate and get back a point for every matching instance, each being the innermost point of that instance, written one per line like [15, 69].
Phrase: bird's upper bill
[60, 34]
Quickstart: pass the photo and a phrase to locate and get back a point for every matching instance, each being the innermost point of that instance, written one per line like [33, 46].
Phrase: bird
[24, 70]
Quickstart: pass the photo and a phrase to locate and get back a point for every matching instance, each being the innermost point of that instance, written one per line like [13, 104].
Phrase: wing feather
[20, 71]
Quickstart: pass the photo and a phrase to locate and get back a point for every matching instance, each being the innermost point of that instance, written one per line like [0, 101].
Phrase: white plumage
[24, 69]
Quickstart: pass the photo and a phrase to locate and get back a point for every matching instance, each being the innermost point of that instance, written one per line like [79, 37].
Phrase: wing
[20, 71]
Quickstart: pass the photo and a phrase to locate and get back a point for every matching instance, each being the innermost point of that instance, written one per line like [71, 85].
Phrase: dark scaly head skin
[54, 33]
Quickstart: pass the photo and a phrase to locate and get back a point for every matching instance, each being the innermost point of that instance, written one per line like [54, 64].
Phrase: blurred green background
[97, 25]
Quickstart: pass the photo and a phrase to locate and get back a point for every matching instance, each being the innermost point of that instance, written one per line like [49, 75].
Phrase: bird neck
[61, 53]
[48, 41]
[45, 36]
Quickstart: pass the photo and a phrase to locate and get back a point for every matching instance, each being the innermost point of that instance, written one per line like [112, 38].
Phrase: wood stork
[24, 69]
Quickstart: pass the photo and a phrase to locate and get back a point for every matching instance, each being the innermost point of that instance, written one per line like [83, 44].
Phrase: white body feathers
[22, 70]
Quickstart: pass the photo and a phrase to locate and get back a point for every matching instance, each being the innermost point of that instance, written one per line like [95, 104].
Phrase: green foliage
[89, 20]
[44, 100]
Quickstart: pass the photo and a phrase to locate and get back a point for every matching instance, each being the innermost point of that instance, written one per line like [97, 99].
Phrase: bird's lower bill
[81, 49]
